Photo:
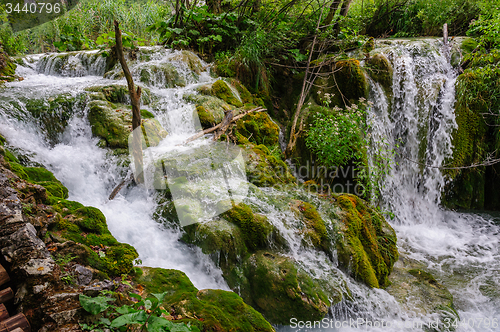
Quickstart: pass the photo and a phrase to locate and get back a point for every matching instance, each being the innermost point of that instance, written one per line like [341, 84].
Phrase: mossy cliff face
[208, 309]
[266, 170]
[475, 137]
[368, 248]
[93, 244]
[113, 121]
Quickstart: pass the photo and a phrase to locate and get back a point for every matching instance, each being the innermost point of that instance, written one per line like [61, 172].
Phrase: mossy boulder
[224, 241]
[208, 309]
[474, 139]
[380, 69]
[258, 128]
[53, 113]
[345, 86]
[87, 226]
[164, 75]
[416, 289]
[281, 290]
[37, 175]
[113, 123]
[368, 249]
[210, 109]
[117, 93]
[190, 59]
[222, 90]
[255, 228]
[265, 169]
[314, 231]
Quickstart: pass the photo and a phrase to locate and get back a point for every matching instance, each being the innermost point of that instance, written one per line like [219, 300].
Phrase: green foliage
[338, 136]
[143, 315]
[487, 29]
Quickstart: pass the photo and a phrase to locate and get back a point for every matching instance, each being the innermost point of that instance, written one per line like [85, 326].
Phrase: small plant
[143, 315]
[68, 279]
[27, 208]
[62, 260]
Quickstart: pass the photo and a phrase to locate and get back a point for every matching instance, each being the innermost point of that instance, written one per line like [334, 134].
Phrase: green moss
[209, 108]
[41, 176]
[368, 249]
[263, 168]
[117, 93]
[468, 45]
[222, 90]
[145, 114]
[190, 59]
[210, 310]
[207, 119]
[222, 240]
[245, 95]
[281, 290]
[7, 67]
[255, 228]
[475, 137]
[369, 45]
[315, 229]
[87, 225]
[258, 128]
[164, 74]
[380, 70]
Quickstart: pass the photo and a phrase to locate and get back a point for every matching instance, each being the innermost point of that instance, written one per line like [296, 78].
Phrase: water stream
[460, 248]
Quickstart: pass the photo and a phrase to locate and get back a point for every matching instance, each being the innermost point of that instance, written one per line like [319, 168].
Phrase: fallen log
[14, 322]
[4, 276]
[4, 314]
[6, 295]
[224, 123]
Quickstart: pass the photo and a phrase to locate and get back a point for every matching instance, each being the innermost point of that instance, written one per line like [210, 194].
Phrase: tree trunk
[135, 96]
[334, 6]
[4, 314]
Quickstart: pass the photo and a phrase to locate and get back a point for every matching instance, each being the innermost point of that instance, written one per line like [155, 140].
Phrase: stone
[84, 275]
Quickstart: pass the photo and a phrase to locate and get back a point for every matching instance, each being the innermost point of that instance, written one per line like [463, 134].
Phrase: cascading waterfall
[418, 128]
[461, 249]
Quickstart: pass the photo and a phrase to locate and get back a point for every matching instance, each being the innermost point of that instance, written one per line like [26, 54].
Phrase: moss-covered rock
[113, 122]
[53, 113]
[255, 228]
[222, 90]
[164, 75]
[345, 86]
[209, 109]
[474, 138]
[314, 230]
[368, 249]
[258, 128]
[281, 290]
[190, 59]
[208, 309]
[265, 169]
[117, 93]
[418, 291]
[87, 225]
[380, 69]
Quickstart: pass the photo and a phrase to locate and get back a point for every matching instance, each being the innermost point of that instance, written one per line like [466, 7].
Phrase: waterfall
[417, 124]
[416, 121]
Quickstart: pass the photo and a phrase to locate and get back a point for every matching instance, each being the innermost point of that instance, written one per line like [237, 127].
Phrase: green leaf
[105, 321]
[94, 305]
[125, 309]
[160, 296]
[135, 296]
[132, 318]
[158, 324]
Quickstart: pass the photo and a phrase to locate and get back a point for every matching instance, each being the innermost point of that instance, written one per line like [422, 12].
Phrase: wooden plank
[6, 295]
[14, 322]
[18, 330]
[4, 276]
[4, 314]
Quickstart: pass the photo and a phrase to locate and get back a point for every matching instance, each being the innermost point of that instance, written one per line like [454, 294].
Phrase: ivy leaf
[125, 310]
[94, 305]
[160, 296]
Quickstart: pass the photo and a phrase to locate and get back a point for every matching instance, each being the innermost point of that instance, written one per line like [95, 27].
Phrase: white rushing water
[461, 249]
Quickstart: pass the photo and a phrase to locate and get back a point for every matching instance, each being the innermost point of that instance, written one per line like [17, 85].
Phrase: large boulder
[208, 309]
[368, 248]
